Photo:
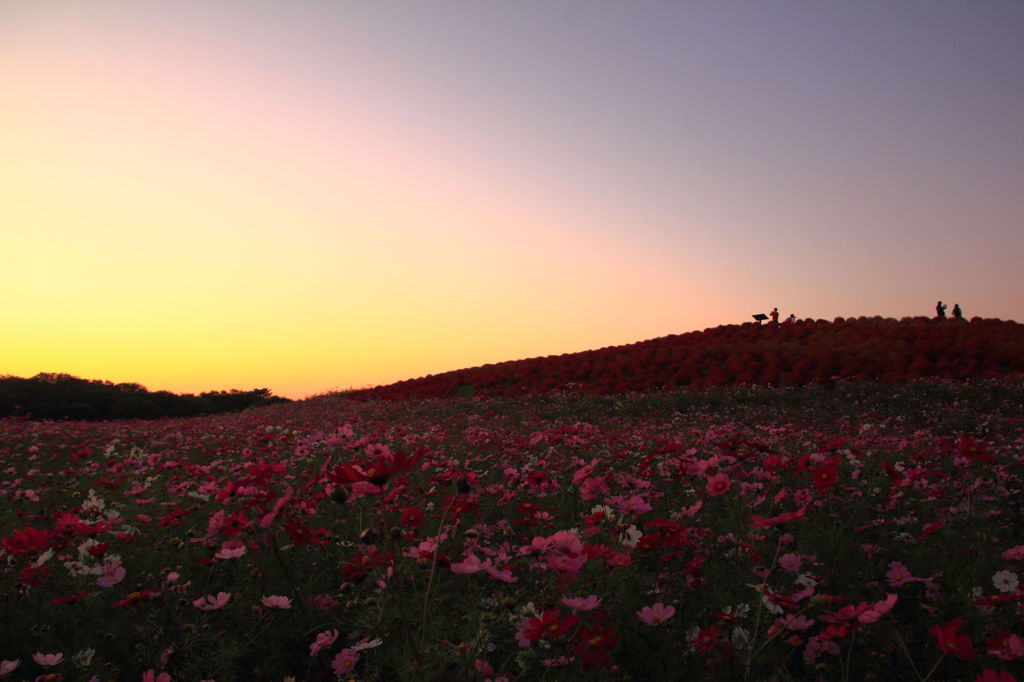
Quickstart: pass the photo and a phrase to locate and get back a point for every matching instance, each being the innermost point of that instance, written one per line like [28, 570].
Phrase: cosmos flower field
[855, 532]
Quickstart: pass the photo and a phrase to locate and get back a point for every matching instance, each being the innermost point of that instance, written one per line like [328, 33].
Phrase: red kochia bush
[799, 353]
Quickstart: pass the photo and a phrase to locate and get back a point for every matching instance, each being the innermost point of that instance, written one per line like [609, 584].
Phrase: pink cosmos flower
[522, 625]
[592, 487]
[656, 614]
[324, 602]
[344, 662]
[113, 573]
[1014, 553]
[619, 560]
[790, 562]
[151, 676]
[563, 563]
[1006, 645]
[7, 667]
[795, 622]
[875, 611]
[898, 574]
[231, 549]
[504, 575]
[471, 564]
[276, 602]
[212, 603]
[718, 483]
[566, 541]
[582, 604]
[47, 660]
[634, 506]
[323, 640]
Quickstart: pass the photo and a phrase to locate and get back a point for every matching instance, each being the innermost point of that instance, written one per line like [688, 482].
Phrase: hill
[796, 353]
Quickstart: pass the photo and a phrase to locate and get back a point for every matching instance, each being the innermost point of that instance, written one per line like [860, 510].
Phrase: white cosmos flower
[1005, 581]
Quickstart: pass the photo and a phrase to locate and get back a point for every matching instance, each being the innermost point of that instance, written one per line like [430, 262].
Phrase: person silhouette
[957, 313]
[940, 310]
[775, 316]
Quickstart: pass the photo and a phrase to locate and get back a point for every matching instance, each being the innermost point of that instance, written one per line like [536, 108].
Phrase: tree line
[62, 396]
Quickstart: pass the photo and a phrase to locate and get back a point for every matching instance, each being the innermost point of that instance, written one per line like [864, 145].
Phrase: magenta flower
[344, 662]
[323, 640]
[7, 667]
[657, 614]
[276, 602]
[212, 603]
[47, 660]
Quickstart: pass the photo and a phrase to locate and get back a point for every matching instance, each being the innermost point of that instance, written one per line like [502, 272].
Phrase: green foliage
[62, 396]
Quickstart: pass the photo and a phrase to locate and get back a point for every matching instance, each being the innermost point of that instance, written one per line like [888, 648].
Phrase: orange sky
[303, 200]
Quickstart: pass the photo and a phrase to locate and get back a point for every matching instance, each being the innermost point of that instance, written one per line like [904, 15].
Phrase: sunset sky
[312, 195]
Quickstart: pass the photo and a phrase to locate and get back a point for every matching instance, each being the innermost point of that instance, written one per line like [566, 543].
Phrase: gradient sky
[306, 196]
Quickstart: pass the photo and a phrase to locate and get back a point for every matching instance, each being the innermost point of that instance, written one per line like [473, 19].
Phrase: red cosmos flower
[411, 517]
[785, 517]
[706, 639]
[132, 598]
[304, 535]
[172, 519]
[826, 475]
[70, 599]
[383, 467]
[29, 540]
[550, 625]
[648, 542]
[594, 646]
[33, 575]
[951, 641]
[69, 522]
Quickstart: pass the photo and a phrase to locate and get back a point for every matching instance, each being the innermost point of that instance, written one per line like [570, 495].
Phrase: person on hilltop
[957, 313]
[775, 317]
[940, 310]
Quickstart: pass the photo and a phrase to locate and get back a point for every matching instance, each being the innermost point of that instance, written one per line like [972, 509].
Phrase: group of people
[940, 311]
[774, 314]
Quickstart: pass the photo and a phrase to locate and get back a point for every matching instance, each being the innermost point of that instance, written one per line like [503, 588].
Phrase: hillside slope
[802, 352]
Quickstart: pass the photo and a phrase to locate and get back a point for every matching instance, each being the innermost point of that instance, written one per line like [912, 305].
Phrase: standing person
[957, 313]
[775, 317]
[940, 310]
